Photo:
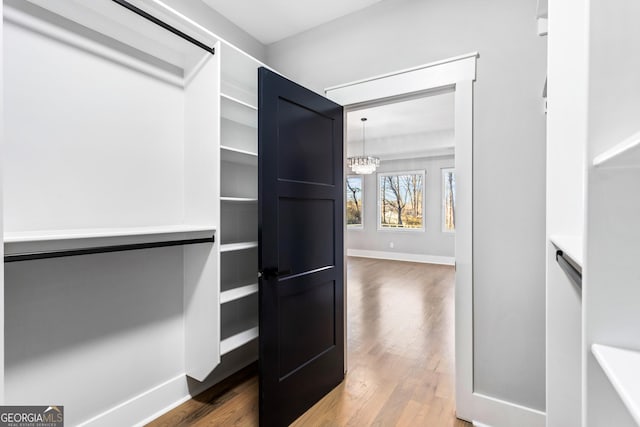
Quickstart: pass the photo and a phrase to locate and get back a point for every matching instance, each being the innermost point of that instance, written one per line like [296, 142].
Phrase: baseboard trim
[149, 405]
[496, 412]
[156, 400]
[399, 256]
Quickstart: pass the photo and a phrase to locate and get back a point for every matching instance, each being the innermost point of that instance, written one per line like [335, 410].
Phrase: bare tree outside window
[401, 200]
[448, 200]
[354, 201]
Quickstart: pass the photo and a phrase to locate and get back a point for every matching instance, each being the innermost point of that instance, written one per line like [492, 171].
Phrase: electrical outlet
[391, 245]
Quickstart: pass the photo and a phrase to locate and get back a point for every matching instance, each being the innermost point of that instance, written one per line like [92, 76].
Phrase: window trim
[443, 172]
[423, 229]
[361, 225]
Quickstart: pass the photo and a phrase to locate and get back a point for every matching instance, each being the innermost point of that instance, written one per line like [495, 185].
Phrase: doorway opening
[400, 245]
[453, 76]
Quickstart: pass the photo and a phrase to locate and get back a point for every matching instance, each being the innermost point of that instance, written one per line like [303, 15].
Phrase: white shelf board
[626, 154]
[21, 242]
[570, 245]
[237, 101]
[230, 247]
[238, 199]
[622, 367]
[235, 155]
[237, 293]
[238, 340]
[239, 151]
[238, 111]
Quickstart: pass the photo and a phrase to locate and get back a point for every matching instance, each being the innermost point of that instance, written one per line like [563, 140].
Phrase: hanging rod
[104, 249]
[568, 268]
[164, 25]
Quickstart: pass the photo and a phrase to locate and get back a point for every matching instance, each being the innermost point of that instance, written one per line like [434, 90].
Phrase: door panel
[300, 204]
[308, 224]
[311, 161]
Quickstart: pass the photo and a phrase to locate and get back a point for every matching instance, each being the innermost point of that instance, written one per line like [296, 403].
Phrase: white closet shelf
[238, 150]
[622, 367]
[230, 247]
[239, 199]
[237, 101]
[236, 155]
[43, 241]
[570, 245]
[238, 340]
[238, 111]
[237, 293]
[626, 154]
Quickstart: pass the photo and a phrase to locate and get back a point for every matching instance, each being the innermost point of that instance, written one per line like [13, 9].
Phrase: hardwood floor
[400, 358]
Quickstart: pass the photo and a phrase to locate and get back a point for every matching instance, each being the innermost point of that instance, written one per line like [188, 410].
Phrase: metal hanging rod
[104, 249]
[568, 268]
[174, 30]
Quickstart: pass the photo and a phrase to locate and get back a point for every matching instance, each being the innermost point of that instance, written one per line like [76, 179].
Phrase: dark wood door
[300, 209]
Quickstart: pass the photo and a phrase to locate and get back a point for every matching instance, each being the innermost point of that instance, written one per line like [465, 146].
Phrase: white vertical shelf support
[201, 263]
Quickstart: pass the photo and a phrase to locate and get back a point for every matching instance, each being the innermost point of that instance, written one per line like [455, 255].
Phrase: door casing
[457, 73]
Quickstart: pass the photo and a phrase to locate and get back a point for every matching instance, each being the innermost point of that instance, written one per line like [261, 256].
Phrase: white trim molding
[425, 77]
[400, 256]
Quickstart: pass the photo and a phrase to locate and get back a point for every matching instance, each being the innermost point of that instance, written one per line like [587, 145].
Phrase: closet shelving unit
[238, 199]
[129, 163]
[612, 343]
[593, 211]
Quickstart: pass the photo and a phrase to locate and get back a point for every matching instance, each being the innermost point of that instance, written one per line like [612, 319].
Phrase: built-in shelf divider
[625, 154]
[238, 340]
[239, 199]
[237, 293]
[622, 367]
[238, 150]
[230, 247]
[237, 101]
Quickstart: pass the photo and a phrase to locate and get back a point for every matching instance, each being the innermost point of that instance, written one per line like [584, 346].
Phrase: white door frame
[458, 73]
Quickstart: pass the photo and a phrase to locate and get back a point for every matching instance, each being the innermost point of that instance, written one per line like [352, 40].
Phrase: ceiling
[416, 125]
[272, 20]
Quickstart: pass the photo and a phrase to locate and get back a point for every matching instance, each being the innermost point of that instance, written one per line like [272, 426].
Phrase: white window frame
[379, 204]
[361, 225]
[443, 173]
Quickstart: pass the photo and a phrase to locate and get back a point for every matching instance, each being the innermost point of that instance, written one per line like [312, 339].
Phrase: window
[354, 201]
[401, 201]
[448, 200]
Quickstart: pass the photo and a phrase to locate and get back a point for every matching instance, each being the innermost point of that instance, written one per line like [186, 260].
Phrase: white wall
[509, 154]
[432, 241]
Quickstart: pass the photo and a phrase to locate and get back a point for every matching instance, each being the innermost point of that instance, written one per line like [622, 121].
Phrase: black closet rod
[104, 249]
[164, 25]
[573, 272]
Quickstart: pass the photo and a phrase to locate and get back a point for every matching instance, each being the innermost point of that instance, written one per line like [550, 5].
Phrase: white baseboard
[149, 405]
[156, 400]
[500, 413]
[399, 256]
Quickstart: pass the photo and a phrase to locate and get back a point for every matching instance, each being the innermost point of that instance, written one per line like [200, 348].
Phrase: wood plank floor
[400, 358]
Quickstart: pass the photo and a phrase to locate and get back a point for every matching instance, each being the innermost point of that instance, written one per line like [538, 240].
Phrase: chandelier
[363, 165]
